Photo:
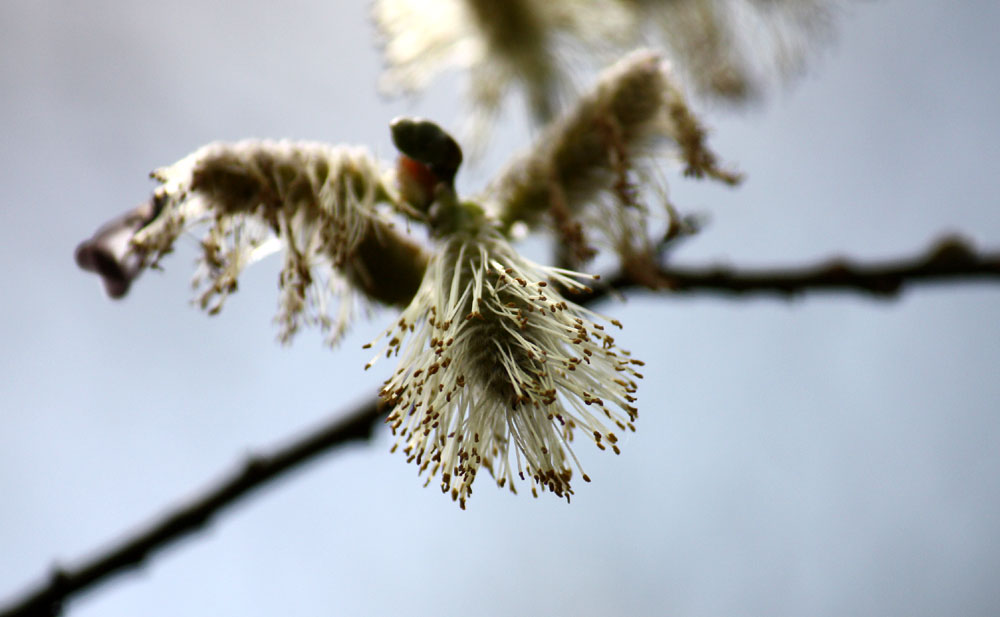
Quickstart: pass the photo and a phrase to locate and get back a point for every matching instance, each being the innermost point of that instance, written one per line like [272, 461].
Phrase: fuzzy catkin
[500, 370]
[584, 172]
[318, 202]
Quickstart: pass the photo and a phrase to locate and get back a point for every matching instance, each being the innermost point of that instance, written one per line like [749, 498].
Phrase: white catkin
[725, 49]
[523, 43]
[501, 370]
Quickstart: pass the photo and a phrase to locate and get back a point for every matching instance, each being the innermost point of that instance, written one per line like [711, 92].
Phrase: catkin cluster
[498, 368]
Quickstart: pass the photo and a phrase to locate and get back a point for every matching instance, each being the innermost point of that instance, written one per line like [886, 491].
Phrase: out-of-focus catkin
[587, 172]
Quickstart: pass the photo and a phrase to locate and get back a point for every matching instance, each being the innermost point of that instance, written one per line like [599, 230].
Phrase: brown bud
[110, 253]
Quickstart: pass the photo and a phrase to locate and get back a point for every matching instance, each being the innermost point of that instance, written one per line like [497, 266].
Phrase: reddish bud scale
[416, 182]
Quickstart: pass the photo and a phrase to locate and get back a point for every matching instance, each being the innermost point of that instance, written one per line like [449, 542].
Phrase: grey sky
[828, 456]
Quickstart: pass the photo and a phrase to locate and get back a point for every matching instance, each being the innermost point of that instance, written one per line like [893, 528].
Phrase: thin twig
[952, 260]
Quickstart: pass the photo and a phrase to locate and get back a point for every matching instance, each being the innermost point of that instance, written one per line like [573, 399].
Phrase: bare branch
[63, 583]
[951, 260]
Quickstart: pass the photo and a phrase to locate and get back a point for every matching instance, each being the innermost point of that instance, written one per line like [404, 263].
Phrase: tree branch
[950, 260]
[48, 599]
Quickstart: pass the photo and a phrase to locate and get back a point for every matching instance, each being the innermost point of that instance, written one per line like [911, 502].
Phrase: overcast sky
[834, 455]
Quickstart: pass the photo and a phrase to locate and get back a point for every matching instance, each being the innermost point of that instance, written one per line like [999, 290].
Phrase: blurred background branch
[952, 259]
[186, 518]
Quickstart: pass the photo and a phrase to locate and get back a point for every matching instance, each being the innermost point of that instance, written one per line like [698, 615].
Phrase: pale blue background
[828, 456]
